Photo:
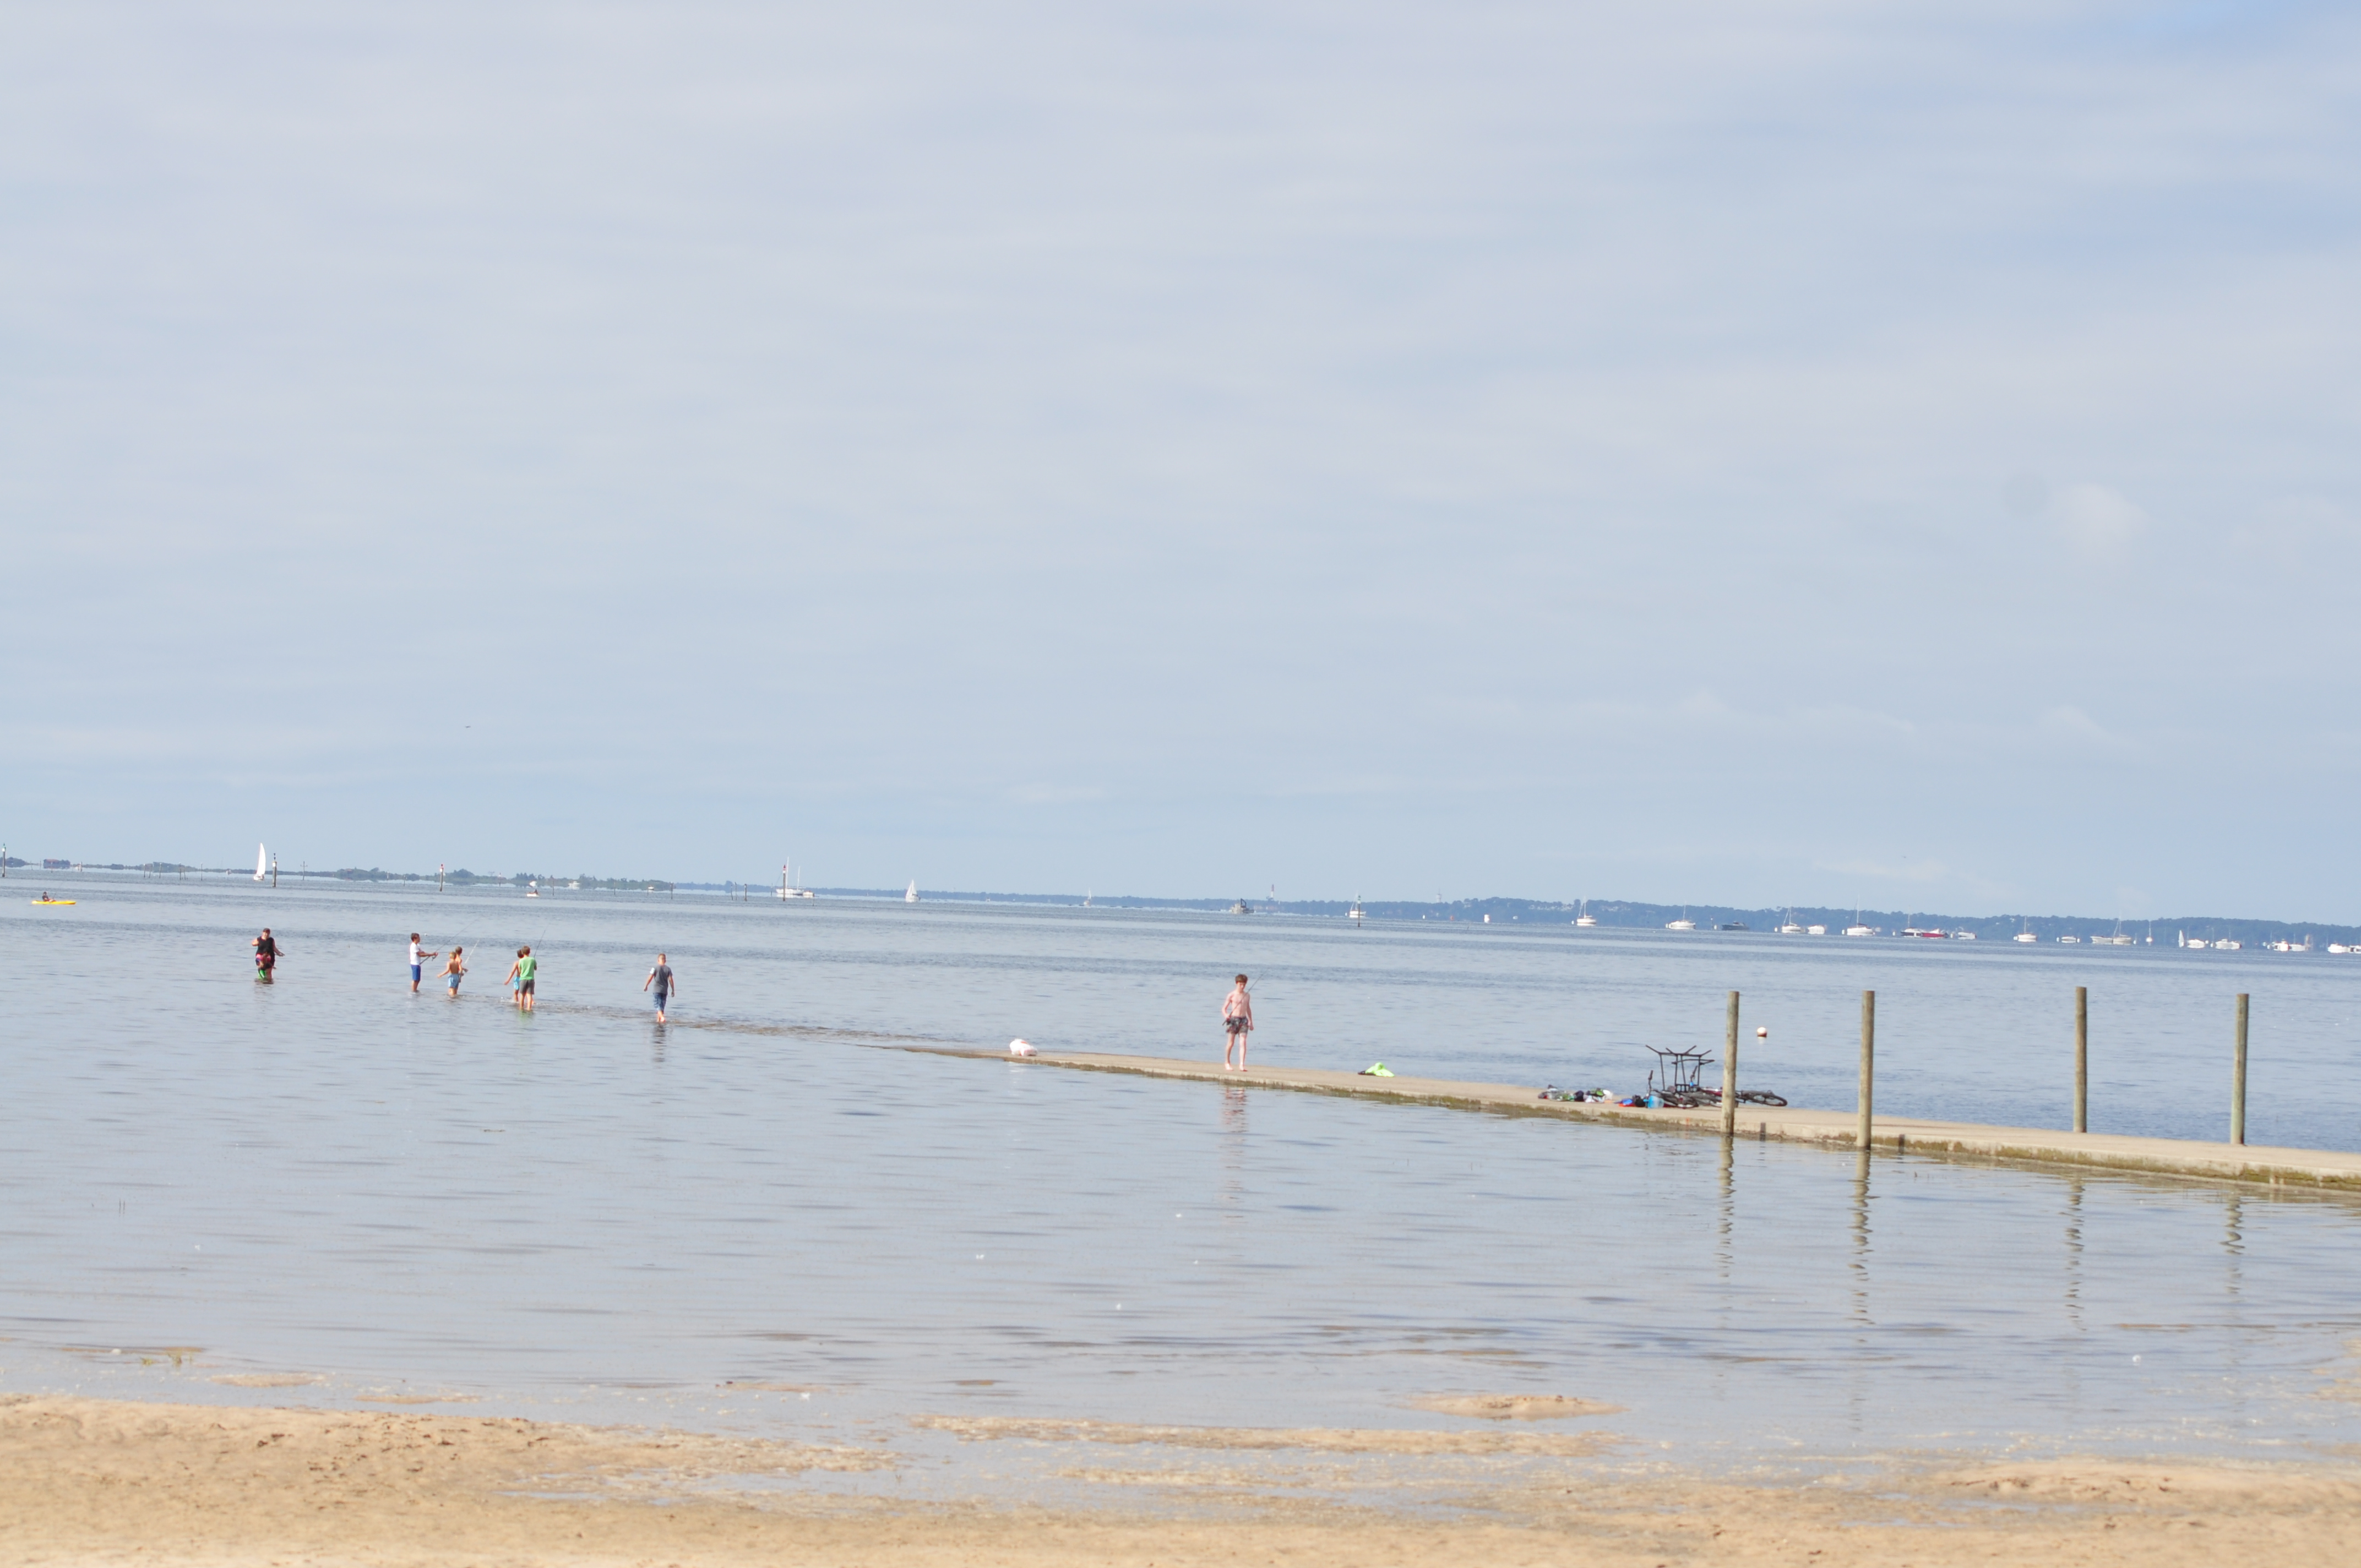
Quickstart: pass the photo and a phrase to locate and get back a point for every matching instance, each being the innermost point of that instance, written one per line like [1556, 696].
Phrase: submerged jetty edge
[2328, 1170]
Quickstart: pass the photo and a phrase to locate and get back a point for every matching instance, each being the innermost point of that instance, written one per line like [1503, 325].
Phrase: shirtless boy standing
[1237, 1018]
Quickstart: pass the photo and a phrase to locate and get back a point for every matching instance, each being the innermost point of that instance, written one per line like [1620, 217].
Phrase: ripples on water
[580, 1214]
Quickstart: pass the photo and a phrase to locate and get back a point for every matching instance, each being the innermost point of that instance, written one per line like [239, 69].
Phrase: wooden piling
[2082, 1059]
[2238, 1078]
[1868, 1063]
[1729, 1072]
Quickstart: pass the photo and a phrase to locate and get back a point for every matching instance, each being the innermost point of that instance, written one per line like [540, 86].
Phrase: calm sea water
[582, 1214]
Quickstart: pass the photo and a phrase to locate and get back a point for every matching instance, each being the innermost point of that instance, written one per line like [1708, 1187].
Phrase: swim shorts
[660, 1000]
[413, 974]
[525, 987]
[1237, 1026]
[455, 984]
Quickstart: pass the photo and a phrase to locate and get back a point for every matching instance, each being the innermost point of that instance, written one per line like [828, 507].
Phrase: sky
[1787, 452]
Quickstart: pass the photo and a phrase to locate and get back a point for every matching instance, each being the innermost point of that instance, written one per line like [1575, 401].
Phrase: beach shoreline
[91, 1480]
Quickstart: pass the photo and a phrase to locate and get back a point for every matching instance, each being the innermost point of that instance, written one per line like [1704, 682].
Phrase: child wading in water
[1237, 1017]
[453, 970]
[520, 976]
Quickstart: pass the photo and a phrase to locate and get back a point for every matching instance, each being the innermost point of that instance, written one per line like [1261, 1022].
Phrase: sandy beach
[95, 1481]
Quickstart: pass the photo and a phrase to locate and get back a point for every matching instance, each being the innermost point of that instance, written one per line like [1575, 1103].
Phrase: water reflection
[529, 1207]
[1860, 1260]
[2074, 1256]
[1728, 1207]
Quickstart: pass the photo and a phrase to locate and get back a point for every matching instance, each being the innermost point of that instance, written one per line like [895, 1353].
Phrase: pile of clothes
[1603, 1097]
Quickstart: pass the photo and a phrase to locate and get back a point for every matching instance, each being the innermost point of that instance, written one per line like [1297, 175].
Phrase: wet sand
[95, 1481]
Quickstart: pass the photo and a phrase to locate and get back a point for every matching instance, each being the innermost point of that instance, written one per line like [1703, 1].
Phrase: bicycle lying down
[1674, 1083]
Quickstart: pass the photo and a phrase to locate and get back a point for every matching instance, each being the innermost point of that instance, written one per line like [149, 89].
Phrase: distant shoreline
[1710, 920]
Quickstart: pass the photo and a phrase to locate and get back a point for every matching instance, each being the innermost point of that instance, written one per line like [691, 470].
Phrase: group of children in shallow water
[520, 976]
[1237, 1008]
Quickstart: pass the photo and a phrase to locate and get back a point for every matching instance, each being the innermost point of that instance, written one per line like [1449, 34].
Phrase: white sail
[261, 862]
[911, 896]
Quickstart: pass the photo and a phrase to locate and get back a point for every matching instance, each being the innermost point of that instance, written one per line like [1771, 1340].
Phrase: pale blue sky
[1756, 452]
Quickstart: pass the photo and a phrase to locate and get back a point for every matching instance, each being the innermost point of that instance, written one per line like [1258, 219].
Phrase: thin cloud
[2100, 523]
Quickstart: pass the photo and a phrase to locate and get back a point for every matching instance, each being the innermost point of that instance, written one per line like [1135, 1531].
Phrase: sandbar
[99, 1481]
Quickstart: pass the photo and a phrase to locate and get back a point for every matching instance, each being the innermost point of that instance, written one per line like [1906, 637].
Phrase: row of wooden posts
[2082, 1067]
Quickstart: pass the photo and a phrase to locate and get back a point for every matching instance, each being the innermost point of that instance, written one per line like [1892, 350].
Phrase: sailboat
[788, 888]
[1791, 928]
[912, 896]
[1584, 918]
[1857, 929]
[2027, 935]
[1353, 913]
[1683, 923]
[261, 862]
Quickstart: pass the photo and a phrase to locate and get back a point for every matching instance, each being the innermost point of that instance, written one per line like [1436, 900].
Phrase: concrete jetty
[2318, 1170]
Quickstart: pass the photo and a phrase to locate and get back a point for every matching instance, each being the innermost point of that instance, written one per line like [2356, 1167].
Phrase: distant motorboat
[1731, 926]
[1963, 935]
[2198, 945]
[1241, 907]
[2070, 941]
[1815, 930]
[2226, 945]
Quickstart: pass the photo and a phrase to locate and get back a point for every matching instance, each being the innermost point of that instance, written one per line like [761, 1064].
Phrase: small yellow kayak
[53, 900]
